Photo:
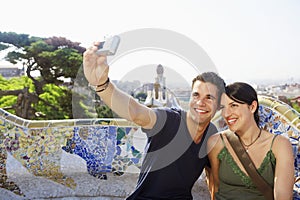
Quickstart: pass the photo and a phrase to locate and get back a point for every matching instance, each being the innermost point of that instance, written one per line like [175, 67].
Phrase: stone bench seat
[97, 158]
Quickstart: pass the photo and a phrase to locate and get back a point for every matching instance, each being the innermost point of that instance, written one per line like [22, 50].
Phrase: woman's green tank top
[235, 184]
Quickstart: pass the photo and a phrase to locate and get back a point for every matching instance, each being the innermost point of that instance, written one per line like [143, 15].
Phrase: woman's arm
[214, 146]
[209, 181]
[284, 171]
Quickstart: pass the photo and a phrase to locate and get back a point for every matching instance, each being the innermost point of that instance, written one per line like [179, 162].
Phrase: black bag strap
[249, 166]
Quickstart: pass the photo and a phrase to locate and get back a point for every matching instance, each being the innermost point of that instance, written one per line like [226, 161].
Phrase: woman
[271, 154]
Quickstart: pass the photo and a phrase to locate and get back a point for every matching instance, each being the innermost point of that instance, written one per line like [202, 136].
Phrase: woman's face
[236, 115]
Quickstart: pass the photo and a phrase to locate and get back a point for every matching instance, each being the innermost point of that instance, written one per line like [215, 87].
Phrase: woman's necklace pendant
[248, 146]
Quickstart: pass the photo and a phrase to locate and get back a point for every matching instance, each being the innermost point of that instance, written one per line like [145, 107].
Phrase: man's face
[203, 102]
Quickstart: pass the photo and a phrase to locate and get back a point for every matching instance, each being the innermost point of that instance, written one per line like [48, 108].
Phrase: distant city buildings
[159, 93]
[9, 71]
[286, 90]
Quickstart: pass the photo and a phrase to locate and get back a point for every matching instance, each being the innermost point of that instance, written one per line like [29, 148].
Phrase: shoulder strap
[273, 140]
[243, 156]
[221, 135]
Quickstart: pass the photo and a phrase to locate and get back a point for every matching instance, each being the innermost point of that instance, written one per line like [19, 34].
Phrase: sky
[254, 41]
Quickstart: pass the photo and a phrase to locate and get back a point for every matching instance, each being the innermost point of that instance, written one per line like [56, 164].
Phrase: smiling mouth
[200, 111]
[231, 121]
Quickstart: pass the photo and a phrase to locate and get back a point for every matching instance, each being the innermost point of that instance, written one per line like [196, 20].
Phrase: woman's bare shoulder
[215, 141]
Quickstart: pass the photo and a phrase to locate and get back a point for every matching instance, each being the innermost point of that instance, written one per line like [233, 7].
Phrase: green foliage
[51, 106]
[296, 107]
[65, 58]
[3, 83]
[13, 84]
[104, 111]
[55, 59]
[17, 40]
[79, 106]
[86, 111]
[65, 103]
[7, 101]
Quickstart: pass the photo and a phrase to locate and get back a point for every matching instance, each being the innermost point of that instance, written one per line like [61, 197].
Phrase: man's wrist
[101, 87]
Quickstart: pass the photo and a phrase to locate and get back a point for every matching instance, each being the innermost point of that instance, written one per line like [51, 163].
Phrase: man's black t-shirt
[173, 161]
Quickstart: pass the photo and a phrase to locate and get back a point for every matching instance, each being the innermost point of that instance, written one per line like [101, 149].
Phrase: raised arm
[96, 72]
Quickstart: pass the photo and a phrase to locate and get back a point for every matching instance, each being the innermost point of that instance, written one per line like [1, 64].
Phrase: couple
[178, 141]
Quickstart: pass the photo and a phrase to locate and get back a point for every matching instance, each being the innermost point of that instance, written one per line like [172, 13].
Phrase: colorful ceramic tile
[106, 146]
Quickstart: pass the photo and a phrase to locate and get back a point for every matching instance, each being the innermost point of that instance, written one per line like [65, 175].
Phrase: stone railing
[96, 158]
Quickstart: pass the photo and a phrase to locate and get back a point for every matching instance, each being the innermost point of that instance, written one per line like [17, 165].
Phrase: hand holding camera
[109, 46]
[95, 66]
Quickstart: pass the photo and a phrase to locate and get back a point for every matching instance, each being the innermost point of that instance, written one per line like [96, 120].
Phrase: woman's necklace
[248, 145]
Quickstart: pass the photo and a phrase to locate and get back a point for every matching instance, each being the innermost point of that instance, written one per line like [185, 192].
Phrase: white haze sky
[248, 40]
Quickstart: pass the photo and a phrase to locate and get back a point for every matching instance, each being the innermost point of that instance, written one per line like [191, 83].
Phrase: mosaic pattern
[37, 145]
[38, 150]
[4, 183]
[96, 145]
[127, 154]
[277, 119]
[107, 146]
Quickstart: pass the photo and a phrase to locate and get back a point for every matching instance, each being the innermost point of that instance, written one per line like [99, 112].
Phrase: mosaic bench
[93, 157]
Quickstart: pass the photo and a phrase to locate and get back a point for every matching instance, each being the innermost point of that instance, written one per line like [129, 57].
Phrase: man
[176, 147]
